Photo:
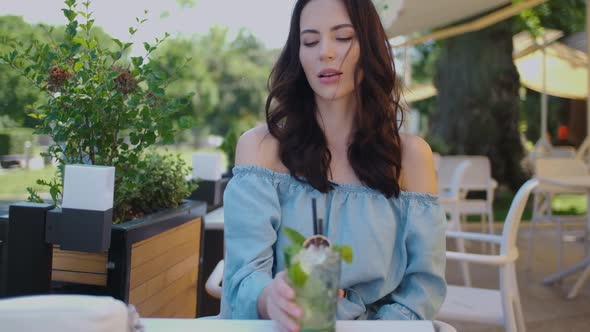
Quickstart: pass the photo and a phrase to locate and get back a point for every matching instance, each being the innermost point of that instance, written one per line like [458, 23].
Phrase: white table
[576, 183]
[214, 219]
[219, 325]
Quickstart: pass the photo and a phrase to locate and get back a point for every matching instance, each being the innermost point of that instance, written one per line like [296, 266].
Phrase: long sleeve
[252, 218]
[423, 287]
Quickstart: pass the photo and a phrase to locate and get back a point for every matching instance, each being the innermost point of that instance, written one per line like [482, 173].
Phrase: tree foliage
[17, 96]
[228, 77]
[568, 16]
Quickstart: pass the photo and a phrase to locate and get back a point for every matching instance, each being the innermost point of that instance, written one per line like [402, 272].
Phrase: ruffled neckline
[340, 186]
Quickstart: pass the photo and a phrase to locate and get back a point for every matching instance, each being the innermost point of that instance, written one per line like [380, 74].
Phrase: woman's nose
[327, 51]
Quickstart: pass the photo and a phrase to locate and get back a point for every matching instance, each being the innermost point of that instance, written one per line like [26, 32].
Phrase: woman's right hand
[277, 302]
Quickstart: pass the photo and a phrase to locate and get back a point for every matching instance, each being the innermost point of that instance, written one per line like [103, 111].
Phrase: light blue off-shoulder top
[398, 244]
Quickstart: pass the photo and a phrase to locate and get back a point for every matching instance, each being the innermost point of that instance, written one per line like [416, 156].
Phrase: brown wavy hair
[375, 150]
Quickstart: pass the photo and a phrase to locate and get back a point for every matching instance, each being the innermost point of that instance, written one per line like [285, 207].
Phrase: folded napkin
[65, 313]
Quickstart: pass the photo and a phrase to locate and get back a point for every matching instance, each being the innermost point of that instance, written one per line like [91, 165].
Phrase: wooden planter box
[153, 263]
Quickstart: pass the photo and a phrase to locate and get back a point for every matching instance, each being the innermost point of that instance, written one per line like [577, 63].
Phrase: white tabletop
[219, 325]
[214, 219]
[575, 181]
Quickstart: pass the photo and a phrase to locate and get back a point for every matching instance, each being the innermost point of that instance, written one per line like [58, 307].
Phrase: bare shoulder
[417, 165]
[258, 147]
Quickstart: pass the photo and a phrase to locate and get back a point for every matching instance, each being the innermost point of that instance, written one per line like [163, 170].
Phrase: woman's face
[329, 50]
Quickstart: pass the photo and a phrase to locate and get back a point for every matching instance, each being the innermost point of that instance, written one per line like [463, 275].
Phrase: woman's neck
[336, 117]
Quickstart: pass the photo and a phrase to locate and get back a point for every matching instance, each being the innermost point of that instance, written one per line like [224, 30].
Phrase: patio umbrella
[412, 16]
[543, 66]
[419, 92]
[420, 15]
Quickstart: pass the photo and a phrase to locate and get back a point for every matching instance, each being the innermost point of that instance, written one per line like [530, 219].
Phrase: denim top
[398, 244]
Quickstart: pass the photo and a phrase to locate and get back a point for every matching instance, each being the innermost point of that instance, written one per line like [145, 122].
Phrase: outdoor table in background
[583, 183]
[214, 219]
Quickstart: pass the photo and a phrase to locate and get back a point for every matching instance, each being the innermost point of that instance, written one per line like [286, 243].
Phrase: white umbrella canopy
[566, 71]
[410, 16]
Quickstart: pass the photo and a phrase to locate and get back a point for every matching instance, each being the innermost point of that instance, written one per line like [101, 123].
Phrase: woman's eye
[344, 38]
[309, 44]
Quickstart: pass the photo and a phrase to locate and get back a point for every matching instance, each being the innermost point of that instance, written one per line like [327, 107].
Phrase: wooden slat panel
[161, 264]
[152, 247]
[154, 285]
[150, 306]
[165, 261]
[189, 308]
[182, 306]
[79, 261]
[79, 267]
[163, 277]
[80, 277]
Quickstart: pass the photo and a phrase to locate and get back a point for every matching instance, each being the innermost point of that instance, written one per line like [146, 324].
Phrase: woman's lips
[330, 78]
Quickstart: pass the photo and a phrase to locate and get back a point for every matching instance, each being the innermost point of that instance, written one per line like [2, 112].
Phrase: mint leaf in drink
[297, 276]
[294, 236]
[289, 252]
[345, 252]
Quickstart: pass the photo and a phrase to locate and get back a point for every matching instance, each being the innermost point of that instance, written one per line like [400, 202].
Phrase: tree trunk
[477, 109]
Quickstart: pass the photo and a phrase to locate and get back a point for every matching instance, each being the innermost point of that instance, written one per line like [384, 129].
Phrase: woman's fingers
[285, 290]
[285, 310]
[284, 320]
[289, 307]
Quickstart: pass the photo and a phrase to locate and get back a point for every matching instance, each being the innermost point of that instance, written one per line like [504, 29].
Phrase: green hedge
[12, 141]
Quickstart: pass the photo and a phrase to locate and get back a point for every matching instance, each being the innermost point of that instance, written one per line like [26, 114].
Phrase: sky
[268, 20]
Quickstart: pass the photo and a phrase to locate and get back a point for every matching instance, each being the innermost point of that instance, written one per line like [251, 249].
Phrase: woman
[332, 134]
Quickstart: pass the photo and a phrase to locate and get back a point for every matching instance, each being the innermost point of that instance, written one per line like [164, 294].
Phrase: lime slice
[317, 240]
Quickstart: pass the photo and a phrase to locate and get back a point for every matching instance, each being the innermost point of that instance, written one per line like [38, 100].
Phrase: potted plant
[103, 108]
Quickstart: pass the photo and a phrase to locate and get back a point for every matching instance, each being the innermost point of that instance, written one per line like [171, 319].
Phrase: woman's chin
[328, 95]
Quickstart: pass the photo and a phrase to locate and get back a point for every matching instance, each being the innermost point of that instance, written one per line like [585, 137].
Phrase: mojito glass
[317, 292]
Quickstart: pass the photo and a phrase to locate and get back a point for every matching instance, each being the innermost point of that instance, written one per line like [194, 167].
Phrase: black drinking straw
[315, 220]
[320, 227]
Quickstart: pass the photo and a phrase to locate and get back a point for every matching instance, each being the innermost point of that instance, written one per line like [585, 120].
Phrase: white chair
[583, 152]
[544, 194]
[436, 158]
[492, 306]
[213, 285]
[478, 177]
[562, 152]
[451, 203]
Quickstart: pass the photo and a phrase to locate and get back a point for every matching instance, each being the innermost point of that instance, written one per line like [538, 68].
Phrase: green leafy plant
[160, 183]
[105, 109]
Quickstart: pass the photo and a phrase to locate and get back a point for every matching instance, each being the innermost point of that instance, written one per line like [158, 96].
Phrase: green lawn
[15, 182]
[569, 204]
